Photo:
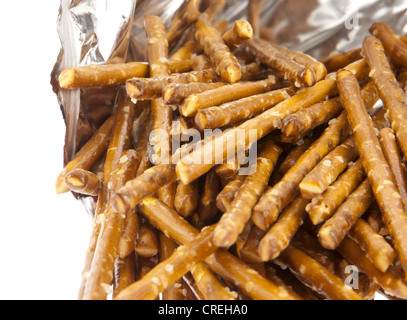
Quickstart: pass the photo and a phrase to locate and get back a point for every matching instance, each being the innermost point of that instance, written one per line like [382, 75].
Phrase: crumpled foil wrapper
[100, 31]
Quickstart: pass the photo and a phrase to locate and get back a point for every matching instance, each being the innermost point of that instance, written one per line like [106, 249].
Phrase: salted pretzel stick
[394, 159]
[236, 36]
[378, 250]
[186, 198]
[390, 92]
[229, 192]
[281, 233]
[254, 15]
[152, 88]
[271, 203]
[223, 60]
[396, 48]
[185, 52]
[336, 228]
[340, 60]
[223, 263]
[222, 95]
[147, 242]
[83, 182]
[101, 270]
[175, 93]
[88, 155]
[234, 219]
[294, 155]
[322, 207]
[249, 253]
[143, 144]
[129, 234]
[228, 170]
[125, 273]
[207, 202]
[232, 112]
[262, 125]
[391, 284]
[328, 170]
[200, 63]
[374, 163]
[186, 15]
[298, 74]
[315, 275]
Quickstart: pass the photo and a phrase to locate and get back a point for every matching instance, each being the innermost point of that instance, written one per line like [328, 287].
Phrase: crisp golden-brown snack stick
[327, 171]
[391, 94]
[254, 15]
[229, 192]
[340, 60]
[294, 155]
[186, 198]
[222, 95]
[143, 144]
[249, 253]
[223, 263]
[152, 88]
[229, 169]
[175, 93]
[88, 155]
[336, 228]
[129, 234]
[125, 273]
[262, 125]
[147, 242]
[207, 208]
[233, 112]
[298, 74]
[391, 284]
[316, 276]
[234, 219]
[241, 32]
[394, 159]
[396, 48]
[275, 200]
[323, 207]
[374, 162]
[224, 61]
[83, 182]
[282, 232]
[201, 62]
[186, 52]
[377, 249]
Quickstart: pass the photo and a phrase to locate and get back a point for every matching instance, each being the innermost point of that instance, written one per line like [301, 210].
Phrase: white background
[43, 237]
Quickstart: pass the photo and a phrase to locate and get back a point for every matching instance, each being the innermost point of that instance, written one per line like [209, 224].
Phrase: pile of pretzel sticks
[327, 193]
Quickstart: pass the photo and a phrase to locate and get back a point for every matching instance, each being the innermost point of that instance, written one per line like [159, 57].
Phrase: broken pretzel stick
[83, 182]
[224, 61]
[147, 242]
[298, 74]
[377, 249]
[374, 162]
[186, 198]
[207, 208]
[229, 192]
[249, 253]
[328, 170]
[234, 219]
[281, 233]
[229, 169]
[336, 228]
[241, 32]
[323, 207]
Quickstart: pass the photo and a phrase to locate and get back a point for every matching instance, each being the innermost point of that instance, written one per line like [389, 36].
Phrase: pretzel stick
[232, 112]
[147, 242]
[374, 163]
[186, 198]
[223, 263]
[294, 155]
[322, 207]
[281, 233]
[186, 52]
[340, 60]
[128, 238]
[229, 192]
[175, 93]
[388, 282]
[271, 203]
[389, 90]
[229, 169]
[207, 203]
[254, 14]
[233, 221]
[376, 247]
[236, 36]
[249, 253]
[273, 58]
[335, 229]
[329, 169]
[83, 182]
[200, 63]
[88, 155]
[396, 48]
[124, 274]
[225, 94]
[223, 60]
[262, 125]
[316, 276]
[394, 159]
